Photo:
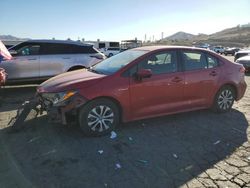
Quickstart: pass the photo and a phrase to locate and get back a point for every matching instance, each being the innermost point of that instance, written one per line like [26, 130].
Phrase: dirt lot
[195, 149]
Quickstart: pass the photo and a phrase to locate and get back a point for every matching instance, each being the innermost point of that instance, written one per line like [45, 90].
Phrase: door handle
[32, 59]
[213, 73]
[66, 57]
[176, 79]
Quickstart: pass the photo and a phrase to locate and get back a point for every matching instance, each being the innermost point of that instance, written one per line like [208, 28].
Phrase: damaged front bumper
[57, 113]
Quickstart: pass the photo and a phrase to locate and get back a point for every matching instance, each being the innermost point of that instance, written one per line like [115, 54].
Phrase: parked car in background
[241, 53]
[219, 49]
[142, 83]
[42, 59]
[245, 61]
[3, 76]
[111, 51]
[231, 51]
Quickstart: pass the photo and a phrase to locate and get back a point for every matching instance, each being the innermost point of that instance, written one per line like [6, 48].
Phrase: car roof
[60, 42]
[244, 58]
[153, 48]
[244, 51]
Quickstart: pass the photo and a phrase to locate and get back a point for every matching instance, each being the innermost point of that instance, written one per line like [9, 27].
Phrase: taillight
[242, 69]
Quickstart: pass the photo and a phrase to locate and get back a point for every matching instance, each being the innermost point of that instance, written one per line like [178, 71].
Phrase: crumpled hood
[70, 81]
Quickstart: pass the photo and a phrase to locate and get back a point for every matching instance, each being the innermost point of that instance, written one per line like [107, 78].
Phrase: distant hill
[10, 38]
[179, 36]
[237, 36]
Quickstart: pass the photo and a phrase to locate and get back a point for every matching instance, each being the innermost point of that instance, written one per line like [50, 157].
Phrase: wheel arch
[76, 67]
[115, 101]
[232, 85]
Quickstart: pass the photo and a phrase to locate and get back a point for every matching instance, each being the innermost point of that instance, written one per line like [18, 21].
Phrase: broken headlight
[58, 99]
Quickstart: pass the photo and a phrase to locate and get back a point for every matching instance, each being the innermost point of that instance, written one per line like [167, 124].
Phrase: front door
[25, 63]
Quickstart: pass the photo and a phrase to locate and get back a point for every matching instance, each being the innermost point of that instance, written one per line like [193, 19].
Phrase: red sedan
[143, 83]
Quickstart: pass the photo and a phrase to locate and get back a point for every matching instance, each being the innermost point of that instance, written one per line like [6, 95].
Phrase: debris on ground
[217, 142]
[175, 156]
[113, 135]
[143, 161]
[100, 151]
[238, 131]
[130, 138]
[118, 166]
[34, 139]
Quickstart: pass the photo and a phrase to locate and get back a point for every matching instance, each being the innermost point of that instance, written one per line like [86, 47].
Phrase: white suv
[111, 51]
[41, 59]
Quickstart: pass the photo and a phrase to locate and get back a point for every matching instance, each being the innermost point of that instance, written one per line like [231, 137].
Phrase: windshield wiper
[95, 71]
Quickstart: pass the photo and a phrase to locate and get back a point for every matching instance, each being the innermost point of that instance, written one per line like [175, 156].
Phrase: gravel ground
[195, 149]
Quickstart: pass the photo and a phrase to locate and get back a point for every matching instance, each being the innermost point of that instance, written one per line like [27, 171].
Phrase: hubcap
[225, 99]
[100, 118]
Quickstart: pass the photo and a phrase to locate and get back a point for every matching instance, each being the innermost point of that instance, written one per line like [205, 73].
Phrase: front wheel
[98, 117]
[224, 99]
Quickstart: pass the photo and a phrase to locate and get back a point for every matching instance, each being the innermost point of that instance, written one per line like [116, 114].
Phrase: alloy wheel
[100, 118]
[225, 99]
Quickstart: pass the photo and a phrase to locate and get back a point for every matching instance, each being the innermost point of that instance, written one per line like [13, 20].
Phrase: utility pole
[162, 35]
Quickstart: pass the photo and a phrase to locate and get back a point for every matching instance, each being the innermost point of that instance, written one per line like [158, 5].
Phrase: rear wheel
[224, 99]
[99, 117]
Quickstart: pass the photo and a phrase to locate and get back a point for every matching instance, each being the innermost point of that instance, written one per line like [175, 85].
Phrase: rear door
[201, 76]
[55, 59]
[162, 92]
[25, 63]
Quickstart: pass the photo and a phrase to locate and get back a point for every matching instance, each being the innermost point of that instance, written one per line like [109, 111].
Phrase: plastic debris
[143, 161]
[248, 158]
[175, 156]
[130, 138]
[34, 139]
[217, 142]
[105, 184]
[113, 135]
[100, 151]
[238, 130]
[118, 166]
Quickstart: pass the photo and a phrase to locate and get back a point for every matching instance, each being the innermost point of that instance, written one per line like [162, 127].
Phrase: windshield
[115, 63]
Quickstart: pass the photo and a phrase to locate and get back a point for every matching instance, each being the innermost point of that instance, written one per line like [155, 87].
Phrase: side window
[194, 60]
[29, 50]
[79, 49]
[211, 61]
[164, 62]
[50, 49]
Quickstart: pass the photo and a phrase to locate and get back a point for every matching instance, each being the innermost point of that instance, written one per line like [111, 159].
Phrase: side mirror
[13, 52]
[143, 73]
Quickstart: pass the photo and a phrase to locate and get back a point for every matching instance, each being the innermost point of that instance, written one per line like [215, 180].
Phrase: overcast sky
[118, 19]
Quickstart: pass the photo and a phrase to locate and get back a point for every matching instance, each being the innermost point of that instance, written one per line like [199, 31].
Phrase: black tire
[92, 119]
[224, 99]
[110, 55]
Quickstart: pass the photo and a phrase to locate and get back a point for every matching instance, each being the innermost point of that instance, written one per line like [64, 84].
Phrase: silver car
[41, 59]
